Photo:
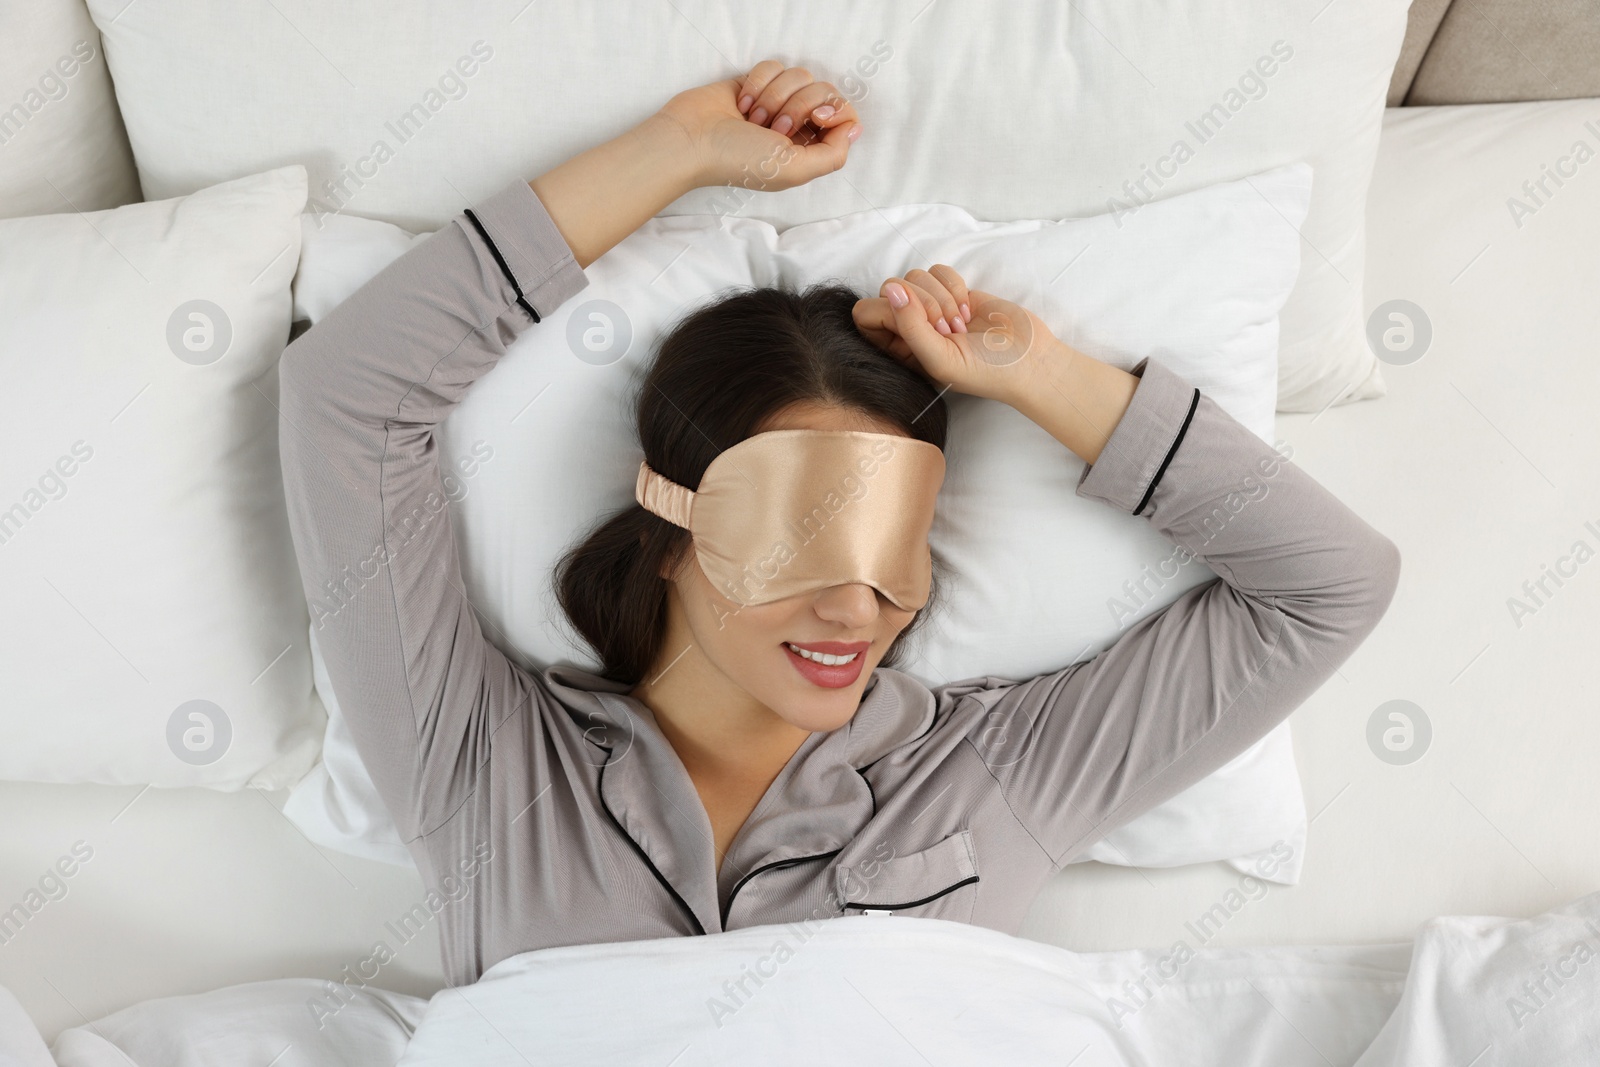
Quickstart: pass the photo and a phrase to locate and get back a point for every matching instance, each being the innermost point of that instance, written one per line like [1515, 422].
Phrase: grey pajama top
[545, 807]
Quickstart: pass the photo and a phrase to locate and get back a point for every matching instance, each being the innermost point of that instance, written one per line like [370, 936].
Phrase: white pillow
[21, 1044]
[284, 1022]
[145, 558]
[1528, 988]
[62, 144]
[1197, 280]
[1046, 111]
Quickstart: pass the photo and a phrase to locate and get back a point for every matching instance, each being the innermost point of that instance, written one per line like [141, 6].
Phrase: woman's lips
[835, 677]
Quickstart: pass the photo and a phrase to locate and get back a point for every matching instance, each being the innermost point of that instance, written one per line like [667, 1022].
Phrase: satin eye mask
[791, 511]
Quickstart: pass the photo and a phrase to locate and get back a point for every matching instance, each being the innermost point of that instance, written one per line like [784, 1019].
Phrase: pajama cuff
[530, 250]
[1143, 443]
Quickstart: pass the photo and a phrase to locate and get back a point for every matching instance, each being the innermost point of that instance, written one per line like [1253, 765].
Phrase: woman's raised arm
[1302, 578]
[789, 130]
[362, 392]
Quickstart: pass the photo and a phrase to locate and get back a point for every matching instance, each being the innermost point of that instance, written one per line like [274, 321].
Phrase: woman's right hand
[777, 140]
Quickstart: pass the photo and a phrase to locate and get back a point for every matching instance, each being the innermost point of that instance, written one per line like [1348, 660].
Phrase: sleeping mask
[791, 511]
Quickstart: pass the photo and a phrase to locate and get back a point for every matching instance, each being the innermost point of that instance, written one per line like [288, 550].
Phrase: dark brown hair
[717, 376]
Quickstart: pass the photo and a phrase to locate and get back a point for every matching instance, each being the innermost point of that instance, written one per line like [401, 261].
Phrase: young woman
[750, 759]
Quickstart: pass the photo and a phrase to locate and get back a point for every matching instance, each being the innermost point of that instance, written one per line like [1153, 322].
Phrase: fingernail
[942, 326]
[855, 131]
[824, 112]
[961, 325]
[783, 124]
[758, 116]
[966, 312]
[745, 101]
[897, 296]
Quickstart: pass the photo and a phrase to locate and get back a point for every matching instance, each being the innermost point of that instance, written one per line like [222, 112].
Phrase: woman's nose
[855, 604]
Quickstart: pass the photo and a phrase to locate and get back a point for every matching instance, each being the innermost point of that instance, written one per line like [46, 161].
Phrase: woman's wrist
[603, 194]
[1077, 399]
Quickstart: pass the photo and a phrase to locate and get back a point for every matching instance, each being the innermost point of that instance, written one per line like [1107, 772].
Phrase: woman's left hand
[777, 140]
[991, 350]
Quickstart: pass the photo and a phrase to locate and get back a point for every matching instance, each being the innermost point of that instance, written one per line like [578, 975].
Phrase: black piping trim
[913, 904]
[1194, 402]
[871, 792]
[498, 258]
[600, 792]
[774, 865]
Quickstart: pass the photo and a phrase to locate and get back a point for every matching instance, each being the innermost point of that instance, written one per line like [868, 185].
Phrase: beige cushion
[1488, 51]
[1422, 22]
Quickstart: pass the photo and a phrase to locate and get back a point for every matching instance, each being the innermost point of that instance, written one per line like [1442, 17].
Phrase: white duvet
[1472, 990]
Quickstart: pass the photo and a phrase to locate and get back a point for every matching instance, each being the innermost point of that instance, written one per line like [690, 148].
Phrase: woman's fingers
[957, 287]
[807, 161]
[900, 321]
[939, 295]
[785, 100]
[920, 296]
[756, 81]
[770, 100]
[945, 313]
[913, 318]
[874, 317]
[914, 312]
[800, 109]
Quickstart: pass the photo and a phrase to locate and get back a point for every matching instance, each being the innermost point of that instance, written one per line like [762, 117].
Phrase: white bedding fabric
[256, 1024]
[1031, 109]
[154, 629]
[889, 990]
[62, 143]
[1481, 464]
[1197, 280]
[194, 889]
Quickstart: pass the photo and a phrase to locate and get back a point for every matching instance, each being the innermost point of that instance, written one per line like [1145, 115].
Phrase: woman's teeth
[821, 657]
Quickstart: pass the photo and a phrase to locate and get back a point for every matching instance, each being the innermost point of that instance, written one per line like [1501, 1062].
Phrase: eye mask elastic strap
[664, 497]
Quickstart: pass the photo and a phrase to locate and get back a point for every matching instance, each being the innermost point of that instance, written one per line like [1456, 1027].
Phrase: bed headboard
[1487, 51]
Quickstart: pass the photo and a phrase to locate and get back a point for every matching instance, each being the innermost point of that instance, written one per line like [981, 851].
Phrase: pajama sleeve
[1302, 581]
[361, 394]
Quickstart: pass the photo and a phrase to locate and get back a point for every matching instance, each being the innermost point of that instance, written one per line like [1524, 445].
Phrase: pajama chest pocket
[939, 882]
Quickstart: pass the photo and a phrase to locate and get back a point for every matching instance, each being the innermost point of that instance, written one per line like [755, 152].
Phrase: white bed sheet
[888, 990]
[1479, 463]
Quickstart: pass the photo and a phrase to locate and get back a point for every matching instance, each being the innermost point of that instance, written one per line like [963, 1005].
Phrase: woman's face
[745, 651]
